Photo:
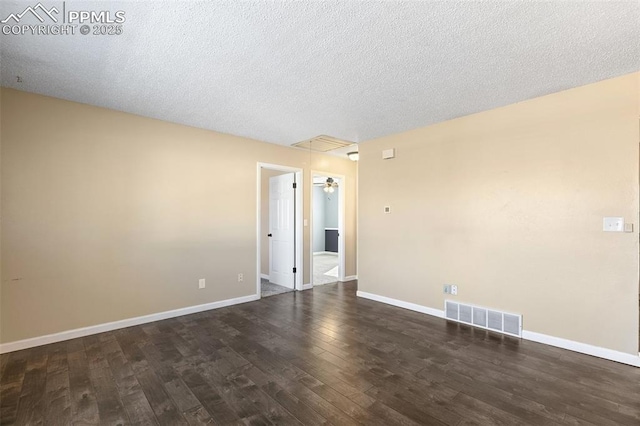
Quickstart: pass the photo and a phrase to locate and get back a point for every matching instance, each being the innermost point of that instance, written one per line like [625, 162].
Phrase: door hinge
[295, 270]
[295, 185]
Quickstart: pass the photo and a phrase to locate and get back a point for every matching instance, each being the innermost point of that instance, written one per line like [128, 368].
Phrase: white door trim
[299, 221]
[341, 216]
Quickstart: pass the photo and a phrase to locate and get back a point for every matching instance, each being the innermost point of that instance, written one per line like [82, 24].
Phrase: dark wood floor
[320, 356]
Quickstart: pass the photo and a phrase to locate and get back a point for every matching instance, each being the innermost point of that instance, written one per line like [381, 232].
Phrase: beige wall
[264, 218]
[508, 205]
[107, 216]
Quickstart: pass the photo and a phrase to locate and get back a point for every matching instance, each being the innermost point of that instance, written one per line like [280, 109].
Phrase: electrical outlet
[613, 224]
[201, 283]
[454, 290]
[447, 289]
[240, 277]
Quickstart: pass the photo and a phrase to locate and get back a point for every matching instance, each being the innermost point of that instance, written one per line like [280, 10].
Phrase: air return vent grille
[489, 319]
[323, 143]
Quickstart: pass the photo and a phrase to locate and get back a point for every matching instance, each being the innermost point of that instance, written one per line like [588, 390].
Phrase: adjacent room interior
[325, 231]
[320, 213]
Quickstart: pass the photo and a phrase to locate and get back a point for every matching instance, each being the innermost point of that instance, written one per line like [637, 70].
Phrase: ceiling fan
[328, 186]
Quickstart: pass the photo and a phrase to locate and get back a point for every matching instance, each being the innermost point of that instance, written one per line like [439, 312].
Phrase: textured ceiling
[287, 71]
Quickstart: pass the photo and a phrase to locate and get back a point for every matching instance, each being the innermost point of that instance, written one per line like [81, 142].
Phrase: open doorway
[279, 262]
[327, 217]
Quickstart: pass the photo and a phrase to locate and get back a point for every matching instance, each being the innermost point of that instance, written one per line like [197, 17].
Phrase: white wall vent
[489, 319]
[322, 143]
[451, 310]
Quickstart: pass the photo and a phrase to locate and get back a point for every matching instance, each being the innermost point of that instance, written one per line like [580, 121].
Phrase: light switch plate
[613, 224]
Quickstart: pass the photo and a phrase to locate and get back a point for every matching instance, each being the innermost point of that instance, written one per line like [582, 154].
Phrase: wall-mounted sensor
[388, 153]
[387, 209]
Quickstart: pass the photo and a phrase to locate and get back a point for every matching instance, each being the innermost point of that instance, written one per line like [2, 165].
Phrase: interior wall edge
[508, 204]
[139, 207]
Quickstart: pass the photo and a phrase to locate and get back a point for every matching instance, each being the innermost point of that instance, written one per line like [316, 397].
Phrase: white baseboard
[332, 253]
[115, 325]
[571, 345]
[307, 286]
[264, 276]
[349, 278]
[583, 348]
[401, 304]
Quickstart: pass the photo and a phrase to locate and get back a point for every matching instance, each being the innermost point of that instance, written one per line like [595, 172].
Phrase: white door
[282, 230]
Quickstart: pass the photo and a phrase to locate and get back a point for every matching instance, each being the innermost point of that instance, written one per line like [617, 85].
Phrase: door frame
[298, 216]
[341, 216]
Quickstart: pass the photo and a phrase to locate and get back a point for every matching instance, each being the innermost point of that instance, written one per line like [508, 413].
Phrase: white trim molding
[401, 304]
[307, 286]
[264, 276]
[558, 342]
[115, 325]
[583, 348]
[349, 278]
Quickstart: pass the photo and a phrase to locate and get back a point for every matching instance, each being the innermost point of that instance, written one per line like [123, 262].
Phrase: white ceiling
[287, 71]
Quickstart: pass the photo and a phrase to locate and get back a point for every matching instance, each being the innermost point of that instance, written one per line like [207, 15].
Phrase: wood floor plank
[216, 376]
[161, 365]
[526, 409]
[4, 360]
[138, 409]
[32, 405]
[11, 386]
[58, 397]
[305, 414]
[336, 381]
[110, 407]
[198, 416]
[130, 341]
[472, 408]
[274, 382]
[93, 348]
[354, 413]
[57, 358]
[276, 414]
[210, 399]
[389, 416]
[84, 407]
[322, 356]
[163, 407]
[181, 395]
